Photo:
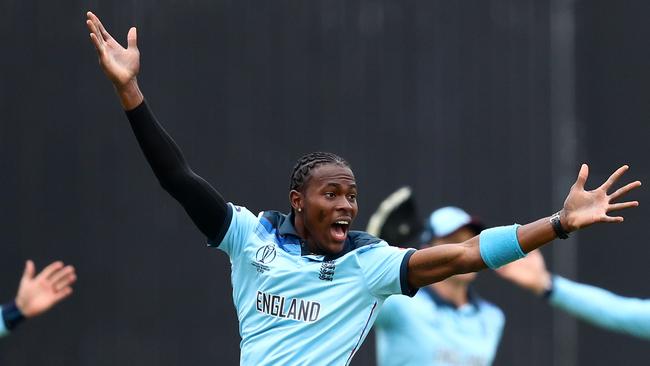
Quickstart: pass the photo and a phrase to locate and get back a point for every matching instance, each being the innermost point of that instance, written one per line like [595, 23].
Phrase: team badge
[327, 271]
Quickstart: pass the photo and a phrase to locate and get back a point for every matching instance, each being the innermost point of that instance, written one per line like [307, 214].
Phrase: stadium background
[490, 105]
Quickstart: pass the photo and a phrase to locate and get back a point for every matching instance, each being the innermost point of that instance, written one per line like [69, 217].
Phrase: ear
[296, 200]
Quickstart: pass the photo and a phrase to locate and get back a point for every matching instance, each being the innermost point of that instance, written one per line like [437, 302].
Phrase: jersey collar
[286, 228]
[472, 298]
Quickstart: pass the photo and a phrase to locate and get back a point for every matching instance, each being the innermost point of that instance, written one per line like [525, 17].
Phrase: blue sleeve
[602, 308]
[3, 326]
[385, 269]
[242, 224]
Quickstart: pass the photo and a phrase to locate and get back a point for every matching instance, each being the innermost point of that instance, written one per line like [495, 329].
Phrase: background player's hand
[529, 272]
[119, 64]
[583, 208]
[37, 294]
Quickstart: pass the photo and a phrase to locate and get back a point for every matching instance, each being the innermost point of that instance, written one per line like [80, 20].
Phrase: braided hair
[302, 169]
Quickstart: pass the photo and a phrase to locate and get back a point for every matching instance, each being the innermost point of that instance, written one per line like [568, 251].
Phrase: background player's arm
[202, 202]
[37, 293]
[591, 304]
[581, 209]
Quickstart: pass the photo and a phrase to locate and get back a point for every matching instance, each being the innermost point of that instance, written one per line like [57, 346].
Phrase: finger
[105, 33]
[52, 267]
[101, 31]
[613, 178]
[65, 281]
[98, 46]
[623, 190]
[92, 26]
[582, 176]
[62, 294]
[132, 38]
[28, 273]
[56, 276]
[622, 205]
[612, 219]
[95, 36]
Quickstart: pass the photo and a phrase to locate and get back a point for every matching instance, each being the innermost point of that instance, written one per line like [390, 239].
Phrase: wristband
[11, 315]
[500, 246]
[557, 226]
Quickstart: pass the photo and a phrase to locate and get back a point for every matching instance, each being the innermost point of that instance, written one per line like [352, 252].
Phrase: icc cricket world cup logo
[264, 255]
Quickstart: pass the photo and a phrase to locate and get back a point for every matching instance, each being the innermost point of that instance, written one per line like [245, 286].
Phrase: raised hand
[37, 294]
[529, 272]
[120, 64]
[583, 208]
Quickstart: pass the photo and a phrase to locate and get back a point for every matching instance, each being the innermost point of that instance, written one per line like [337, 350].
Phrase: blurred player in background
[445, 323]
[591, 304]
[37, 293]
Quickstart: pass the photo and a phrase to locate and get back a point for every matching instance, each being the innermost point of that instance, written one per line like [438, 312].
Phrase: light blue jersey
[3, 327]
[426, 330]
[296, 308]
[602, 308]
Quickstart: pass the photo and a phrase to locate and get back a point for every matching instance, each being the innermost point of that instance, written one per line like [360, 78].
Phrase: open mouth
[339, 230]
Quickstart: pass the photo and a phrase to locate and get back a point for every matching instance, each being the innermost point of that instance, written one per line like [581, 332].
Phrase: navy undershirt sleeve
[205, 206]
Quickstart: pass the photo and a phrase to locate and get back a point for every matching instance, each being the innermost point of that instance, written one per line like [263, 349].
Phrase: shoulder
[271, 219]
[491, 311]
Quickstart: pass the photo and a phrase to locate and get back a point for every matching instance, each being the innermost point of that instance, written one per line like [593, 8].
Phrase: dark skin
[327, 195]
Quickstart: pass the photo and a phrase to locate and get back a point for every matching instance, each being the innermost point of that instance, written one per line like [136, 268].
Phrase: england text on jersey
[282, 307]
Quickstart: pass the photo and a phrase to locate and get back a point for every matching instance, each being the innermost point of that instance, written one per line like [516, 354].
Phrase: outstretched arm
[581, 209]
[591, 304]
[201, 201]
[38, 293]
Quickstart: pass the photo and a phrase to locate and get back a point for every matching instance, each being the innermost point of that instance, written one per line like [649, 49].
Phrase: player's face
[328, 207]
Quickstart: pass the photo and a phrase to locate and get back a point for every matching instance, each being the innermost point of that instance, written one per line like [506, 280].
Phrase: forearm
[534, 235]
[602, 308]
[439, 262]
[436, 263]
[202, 202]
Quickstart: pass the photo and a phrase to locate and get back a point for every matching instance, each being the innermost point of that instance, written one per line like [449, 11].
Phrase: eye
[352, 197]
[330, 194]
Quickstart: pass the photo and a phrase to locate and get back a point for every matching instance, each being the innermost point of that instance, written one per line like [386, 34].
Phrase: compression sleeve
[201, 201]
[602, 308]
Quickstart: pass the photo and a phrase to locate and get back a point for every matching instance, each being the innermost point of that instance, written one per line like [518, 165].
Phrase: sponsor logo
[264, 255]
[287, 308]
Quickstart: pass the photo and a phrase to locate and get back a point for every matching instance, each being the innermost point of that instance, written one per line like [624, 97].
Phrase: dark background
[450, 97]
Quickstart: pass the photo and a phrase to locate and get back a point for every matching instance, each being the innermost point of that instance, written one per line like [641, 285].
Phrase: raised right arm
[201, 201]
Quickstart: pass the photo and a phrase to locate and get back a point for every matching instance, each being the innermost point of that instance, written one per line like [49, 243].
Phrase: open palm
[583, 208]
[38, 293]
[120, 64]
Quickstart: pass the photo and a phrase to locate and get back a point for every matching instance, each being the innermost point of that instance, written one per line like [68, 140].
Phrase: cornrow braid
[307, 162]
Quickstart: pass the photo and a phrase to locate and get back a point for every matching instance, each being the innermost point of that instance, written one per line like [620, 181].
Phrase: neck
[299, 225]
[452, 291]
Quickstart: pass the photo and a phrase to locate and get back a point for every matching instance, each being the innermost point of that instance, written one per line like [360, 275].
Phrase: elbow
[174, 182]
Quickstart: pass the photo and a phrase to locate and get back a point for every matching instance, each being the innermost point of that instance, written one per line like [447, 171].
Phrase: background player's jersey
[296, 308]
[3, 327]
[426, 330]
